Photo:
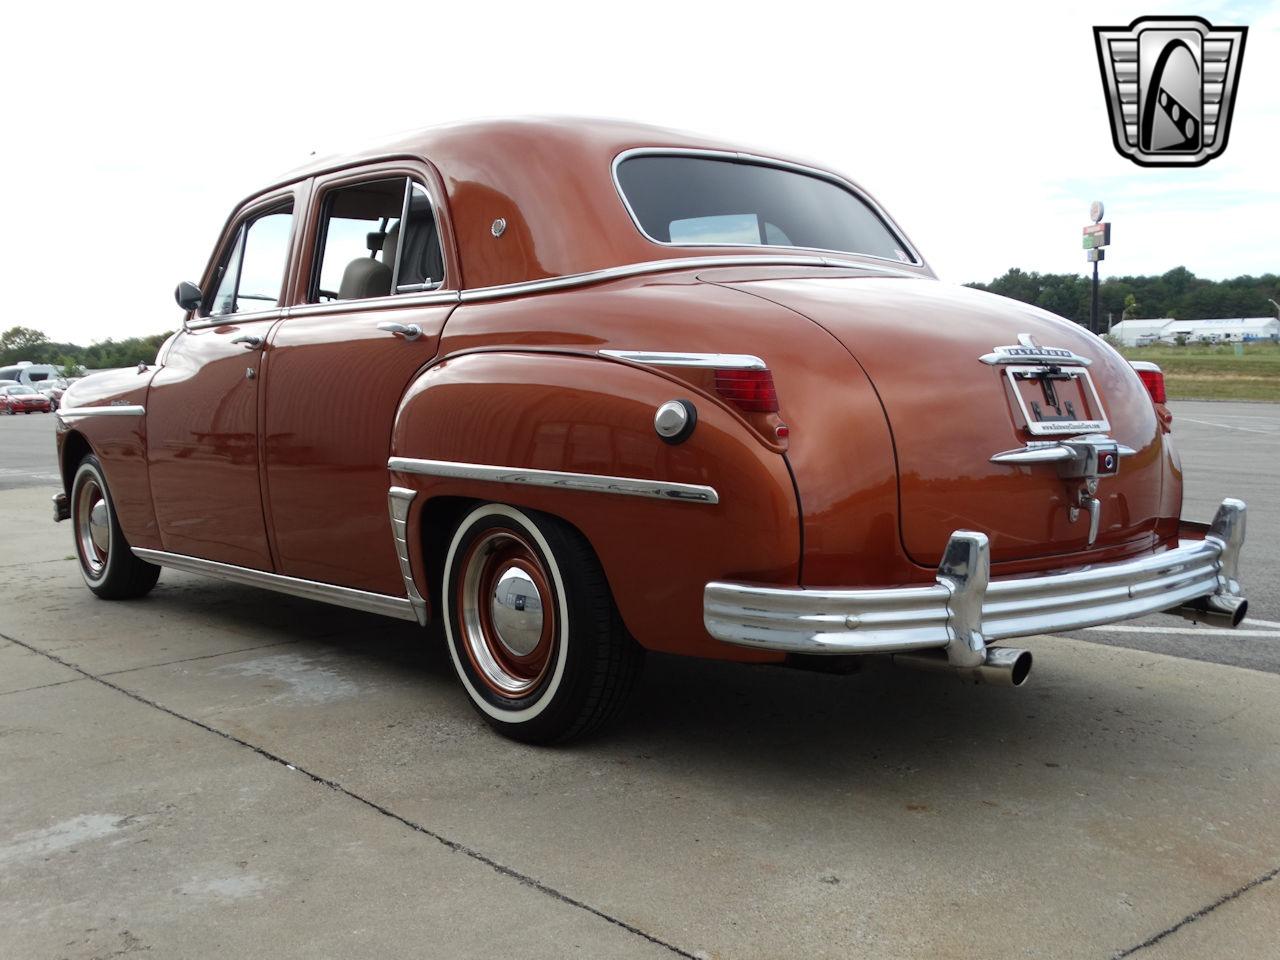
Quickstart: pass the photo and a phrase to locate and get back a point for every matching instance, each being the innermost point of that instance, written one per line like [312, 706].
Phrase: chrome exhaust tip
[1003, 666]
[1216, 610]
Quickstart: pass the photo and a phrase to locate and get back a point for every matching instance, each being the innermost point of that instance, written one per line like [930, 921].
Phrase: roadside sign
[1093, 256]
[1097, 235]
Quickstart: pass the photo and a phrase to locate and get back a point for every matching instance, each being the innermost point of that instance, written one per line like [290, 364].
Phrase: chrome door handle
[248, 341]
[410, 331]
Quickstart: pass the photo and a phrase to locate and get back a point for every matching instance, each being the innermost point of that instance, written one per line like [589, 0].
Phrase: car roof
[551, 180]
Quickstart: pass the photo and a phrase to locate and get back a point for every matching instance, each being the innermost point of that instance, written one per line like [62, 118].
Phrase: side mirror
[188, 296]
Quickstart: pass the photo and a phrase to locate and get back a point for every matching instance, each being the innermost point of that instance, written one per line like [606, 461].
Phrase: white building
[1217, 331]
[1139, 333]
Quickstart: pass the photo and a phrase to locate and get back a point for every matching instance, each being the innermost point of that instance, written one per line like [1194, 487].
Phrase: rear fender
[581, 415]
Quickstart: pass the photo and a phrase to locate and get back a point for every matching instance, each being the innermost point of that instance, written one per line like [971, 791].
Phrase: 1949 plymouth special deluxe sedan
[570, 391]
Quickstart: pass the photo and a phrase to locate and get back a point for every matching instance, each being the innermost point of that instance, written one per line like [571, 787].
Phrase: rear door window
[377, 239]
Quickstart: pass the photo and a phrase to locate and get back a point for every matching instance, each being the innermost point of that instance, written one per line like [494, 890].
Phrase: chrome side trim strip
[666, 266]
[661, 358]
[964, 610]
[588, 482]
[119, 410]
[399, 500]
[397, 607]
[390, 302]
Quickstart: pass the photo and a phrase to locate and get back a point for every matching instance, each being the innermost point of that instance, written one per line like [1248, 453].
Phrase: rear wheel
[531, 626]
[107, 564]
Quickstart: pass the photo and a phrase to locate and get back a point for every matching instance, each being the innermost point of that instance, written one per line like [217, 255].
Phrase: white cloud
[982, 128]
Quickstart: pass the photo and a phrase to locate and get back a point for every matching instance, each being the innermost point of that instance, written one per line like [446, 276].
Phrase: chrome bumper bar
[964, 609]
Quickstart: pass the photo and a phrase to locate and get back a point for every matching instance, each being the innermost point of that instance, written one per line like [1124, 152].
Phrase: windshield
[697, 201]
[17, 390]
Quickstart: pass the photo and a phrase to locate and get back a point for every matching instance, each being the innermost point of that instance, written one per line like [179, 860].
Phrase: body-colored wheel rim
[507, 613]
[93, 526]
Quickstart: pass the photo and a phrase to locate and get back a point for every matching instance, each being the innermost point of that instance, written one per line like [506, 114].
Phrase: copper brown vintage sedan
[571, 391]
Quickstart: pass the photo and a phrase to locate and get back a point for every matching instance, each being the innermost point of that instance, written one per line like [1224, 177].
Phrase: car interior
[362, 238]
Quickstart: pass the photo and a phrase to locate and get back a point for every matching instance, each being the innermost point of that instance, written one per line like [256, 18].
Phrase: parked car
[573, 391]
[19, 398]
[52, 388]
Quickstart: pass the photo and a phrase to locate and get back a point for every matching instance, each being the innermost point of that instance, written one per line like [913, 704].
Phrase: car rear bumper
[964, 610]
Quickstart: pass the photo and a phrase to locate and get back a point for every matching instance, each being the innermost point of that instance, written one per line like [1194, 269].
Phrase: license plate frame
[1095, 422]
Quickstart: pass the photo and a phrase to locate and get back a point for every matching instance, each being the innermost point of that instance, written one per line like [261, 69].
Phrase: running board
[397, 607]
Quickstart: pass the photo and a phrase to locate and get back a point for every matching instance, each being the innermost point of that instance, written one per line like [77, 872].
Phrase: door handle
[248, 341]
[410, 331]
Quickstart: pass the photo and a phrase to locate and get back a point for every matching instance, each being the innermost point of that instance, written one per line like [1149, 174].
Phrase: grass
[1203, 371]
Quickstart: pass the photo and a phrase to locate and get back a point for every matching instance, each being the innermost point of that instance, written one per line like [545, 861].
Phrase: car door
[202, 408]
[375, 288]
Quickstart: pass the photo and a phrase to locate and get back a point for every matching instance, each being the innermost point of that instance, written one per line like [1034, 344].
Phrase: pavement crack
[1203, 912]
[41, 686]
[203, 656]
[453, 845]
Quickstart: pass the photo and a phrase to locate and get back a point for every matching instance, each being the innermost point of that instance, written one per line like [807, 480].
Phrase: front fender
[583, 415]
[119, 441]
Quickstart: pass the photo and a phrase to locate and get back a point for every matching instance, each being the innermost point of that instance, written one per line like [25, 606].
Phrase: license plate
[1056, 401]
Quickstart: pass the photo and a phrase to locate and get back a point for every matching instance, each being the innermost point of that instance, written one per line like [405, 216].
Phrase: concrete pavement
[216, 771]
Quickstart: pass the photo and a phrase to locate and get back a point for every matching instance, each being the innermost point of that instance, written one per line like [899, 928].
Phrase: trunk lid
[921, 343]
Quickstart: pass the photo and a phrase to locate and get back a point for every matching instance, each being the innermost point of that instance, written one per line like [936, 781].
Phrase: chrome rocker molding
[308, 589]
[119, 410]
[588, 482]
[964, 610]
[398, 500]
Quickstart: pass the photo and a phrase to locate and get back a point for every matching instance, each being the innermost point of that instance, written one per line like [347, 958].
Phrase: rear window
[698, 201]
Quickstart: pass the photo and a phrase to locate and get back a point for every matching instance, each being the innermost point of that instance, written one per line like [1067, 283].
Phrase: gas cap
[675, 420]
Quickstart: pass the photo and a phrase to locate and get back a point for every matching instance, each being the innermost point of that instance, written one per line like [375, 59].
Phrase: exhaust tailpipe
[1216, 610]
[1004, 666]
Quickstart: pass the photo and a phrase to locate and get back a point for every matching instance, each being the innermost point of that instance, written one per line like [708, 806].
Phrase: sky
[132, 130]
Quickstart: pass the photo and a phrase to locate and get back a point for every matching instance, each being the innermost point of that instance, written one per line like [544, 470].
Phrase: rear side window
[694, 201]
[377, 239]
[251, 276]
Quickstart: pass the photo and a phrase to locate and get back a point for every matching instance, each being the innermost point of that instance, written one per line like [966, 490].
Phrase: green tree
[17, 343]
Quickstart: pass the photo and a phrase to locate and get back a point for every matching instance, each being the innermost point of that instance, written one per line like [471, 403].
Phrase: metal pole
[1093, 309]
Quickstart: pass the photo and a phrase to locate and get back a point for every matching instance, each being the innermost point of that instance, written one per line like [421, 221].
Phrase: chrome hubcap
[93, 526]
[516, 611]
[99, 527]
[506, 613]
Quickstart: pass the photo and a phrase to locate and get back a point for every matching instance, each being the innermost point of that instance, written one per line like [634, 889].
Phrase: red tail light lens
[1153, 379]
[751, 391]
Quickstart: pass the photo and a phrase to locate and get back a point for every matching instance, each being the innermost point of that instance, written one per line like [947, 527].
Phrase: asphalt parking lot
[217, 771]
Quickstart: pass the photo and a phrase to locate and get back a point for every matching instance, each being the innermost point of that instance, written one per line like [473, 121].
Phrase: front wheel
[531, 626]
[108, 566]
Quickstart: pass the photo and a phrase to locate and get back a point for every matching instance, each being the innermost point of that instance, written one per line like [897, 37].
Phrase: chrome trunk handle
[410, 331]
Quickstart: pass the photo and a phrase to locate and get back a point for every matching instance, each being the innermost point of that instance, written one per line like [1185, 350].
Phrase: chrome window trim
[751, 158]
[389, 302]
[643, 267]
[380, 603]
[663, 358]
[115, 410]
[586, 482]
[235, 319]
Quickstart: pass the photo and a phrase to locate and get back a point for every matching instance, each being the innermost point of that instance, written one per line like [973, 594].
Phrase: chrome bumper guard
[964, 609]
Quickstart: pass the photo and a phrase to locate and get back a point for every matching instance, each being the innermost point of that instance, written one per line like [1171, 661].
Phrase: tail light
[1153, 379]
[751, 391]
